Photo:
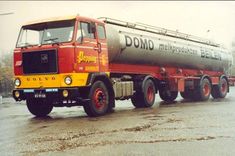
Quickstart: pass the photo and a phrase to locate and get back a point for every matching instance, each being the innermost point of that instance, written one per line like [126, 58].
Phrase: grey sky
[190, 17]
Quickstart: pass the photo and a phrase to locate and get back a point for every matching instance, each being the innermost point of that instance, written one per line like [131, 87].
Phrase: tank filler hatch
[158, 30]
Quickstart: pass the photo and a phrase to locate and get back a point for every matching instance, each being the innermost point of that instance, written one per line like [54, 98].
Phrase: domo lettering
[138, 42]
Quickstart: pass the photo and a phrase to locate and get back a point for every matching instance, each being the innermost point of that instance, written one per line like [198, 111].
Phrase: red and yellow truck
[71, 61]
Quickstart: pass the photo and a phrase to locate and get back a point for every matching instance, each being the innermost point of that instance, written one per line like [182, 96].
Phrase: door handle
[98, 47]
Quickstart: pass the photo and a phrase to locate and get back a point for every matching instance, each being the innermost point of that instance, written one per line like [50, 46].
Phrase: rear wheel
[39, 107]
[203, 91]
[146, 97]
[220, 90]
[99, 100]
[167, 95]
[136, 99]
[187, 94]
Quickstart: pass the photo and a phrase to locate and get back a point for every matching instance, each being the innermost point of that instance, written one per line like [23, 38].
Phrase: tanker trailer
[71, 61]
[176, 61]
[135, 46]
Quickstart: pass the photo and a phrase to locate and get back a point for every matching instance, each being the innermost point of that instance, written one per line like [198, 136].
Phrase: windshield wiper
[52, 39]
[28, 45]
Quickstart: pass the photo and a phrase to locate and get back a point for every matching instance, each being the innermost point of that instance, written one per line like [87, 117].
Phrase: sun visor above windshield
[63, 18]
[50, 24]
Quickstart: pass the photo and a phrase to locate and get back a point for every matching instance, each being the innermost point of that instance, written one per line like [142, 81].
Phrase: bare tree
[6, 74]
[233, 53]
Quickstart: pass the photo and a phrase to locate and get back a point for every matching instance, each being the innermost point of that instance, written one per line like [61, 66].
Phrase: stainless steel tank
[131, 46]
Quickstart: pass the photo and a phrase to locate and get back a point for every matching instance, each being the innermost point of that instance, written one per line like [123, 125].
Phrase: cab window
[101, 32]
[84, 31]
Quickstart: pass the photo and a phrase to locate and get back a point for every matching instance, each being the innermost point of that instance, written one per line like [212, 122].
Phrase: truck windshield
[46, 33]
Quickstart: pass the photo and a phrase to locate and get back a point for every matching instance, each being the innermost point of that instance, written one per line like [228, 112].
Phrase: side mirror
[92, 27]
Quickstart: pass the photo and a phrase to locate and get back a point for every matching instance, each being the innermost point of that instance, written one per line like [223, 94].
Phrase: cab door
[102, 47]
[87, 57]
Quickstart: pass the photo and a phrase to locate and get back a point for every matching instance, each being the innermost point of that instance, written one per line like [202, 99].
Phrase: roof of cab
[61, 18]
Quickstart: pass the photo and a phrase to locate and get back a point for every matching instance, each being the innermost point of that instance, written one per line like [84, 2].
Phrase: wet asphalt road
[183, 128]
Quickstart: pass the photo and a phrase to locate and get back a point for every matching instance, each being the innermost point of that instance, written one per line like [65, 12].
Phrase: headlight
[17, 82]
[68, 80]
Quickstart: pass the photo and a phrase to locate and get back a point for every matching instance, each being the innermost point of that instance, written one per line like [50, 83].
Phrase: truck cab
[55, 60]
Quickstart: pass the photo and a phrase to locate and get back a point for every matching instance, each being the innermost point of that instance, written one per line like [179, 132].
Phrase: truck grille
[38, 62]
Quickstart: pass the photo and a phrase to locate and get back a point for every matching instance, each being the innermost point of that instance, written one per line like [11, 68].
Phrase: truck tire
[39, 107]
[136, 99]
[220, 90]
[184, 95]
[146, 97]
[167, 95]
[149, 93]
[203, 91]
[99, 100]
[187, 94]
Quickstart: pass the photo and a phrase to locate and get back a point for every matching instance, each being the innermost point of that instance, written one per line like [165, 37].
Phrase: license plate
[40, 95]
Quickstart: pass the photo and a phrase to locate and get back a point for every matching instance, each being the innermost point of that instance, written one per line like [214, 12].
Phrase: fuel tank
[133, 46]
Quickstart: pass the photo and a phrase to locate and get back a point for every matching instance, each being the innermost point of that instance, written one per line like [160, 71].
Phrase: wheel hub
[150, 94]
[206, 90]
[99, 98]
[224, 87]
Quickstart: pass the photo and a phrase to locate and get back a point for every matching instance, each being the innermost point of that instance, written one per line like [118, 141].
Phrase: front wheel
[39, 107]
[99, 100]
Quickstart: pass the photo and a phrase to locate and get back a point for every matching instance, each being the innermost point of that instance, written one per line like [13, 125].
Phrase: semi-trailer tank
[126, 45]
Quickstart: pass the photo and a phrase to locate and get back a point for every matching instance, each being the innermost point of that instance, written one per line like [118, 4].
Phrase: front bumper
[52, 80]
[54, 94]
